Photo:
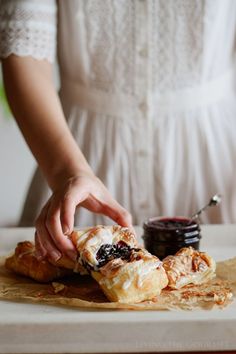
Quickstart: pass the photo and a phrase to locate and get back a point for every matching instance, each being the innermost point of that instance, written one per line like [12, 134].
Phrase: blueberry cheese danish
[124, 271]
[188, 266]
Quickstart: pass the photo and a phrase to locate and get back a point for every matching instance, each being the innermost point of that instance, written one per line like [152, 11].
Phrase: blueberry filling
[108, 252]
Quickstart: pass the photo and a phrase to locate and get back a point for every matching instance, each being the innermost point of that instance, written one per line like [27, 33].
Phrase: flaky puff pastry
[89, 241]
[24, 262]
[125, 273]
[188, 266]
[128, 279]
[142, 278]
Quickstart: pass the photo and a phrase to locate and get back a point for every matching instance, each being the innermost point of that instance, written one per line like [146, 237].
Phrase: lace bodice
[130, 45]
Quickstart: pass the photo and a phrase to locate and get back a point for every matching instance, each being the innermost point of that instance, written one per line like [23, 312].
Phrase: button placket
[143, 106]
[143, 136]
[141, 49]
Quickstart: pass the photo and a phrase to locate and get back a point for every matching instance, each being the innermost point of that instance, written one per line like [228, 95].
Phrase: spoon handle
[216, 199]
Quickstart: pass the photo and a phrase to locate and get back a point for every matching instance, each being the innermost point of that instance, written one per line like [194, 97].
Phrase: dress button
[143, 106]
[142, 153]
[143, 52]
[143, 205]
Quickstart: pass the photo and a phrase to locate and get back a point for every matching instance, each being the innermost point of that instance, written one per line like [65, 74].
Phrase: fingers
[115, 211]
[68, 207]
[57, 217]
[43, 242]
[53, 224]
[77, 192]
[50, 239]
[120, 215]
[111, 208]
[40, 252]
[99, 200]
[123, 218]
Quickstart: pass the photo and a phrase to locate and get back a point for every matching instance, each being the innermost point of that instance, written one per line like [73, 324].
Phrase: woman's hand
[56, 219]
[39, 114]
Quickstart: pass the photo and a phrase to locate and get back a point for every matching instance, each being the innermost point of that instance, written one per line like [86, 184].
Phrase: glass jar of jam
[164, 236]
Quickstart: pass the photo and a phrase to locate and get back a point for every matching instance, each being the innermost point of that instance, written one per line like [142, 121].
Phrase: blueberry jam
[174, 223]
[165, 236]
[108, 252]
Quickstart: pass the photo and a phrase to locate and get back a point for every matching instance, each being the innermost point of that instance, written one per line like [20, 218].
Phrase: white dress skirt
[148, 90]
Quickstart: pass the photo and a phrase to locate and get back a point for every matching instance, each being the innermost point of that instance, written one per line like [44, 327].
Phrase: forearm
[38, 112]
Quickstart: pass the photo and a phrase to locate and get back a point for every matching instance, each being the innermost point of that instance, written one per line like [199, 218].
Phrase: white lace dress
[147, 87]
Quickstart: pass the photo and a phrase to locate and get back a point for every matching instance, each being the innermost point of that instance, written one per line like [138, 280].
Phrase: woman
[147, 89]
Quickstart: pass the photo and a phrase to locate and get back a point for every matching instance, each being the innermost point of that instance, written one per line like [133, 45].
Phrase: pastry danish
[124, 271]
[188, 266]
[24, 262]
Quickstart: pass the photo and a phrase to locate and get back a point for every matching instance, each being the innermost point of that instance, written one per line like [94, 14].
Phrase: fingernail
[72, 255]
[55, 255]
[65, 230]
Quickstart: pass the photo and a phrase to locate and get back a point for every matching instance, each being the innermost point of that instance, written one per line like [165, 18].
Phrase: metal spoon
[216, 199]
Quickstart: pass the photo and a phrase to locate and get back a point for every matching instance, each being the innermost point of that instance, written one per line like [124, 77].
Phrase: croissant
[24, 262]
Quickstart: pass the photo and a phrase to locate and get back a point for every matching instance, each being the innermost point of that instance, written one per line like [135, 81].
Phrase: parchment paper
[82, 291]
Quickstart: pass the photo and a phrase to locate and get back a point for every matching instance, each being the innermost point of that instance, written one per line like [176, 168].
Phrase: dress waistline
[120, 104]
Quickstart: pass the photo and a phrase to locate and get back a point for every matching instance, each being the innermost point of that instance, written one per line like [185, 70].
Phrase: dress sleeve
[28, 28]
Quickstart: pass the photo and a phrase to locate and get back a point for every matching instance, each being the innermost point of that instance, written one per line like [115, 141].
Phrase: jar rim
[152, 223]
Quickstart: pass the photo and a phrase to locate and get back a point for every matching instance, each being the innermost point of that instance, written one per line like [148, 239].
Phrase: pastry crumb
[57, 287]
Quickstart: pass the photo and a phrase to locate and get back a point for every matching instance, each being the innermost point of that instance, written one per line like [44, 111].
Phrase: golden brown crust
[139, 278]
[188, 266]
[24, 262]
[142, 278]
[132, 282]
